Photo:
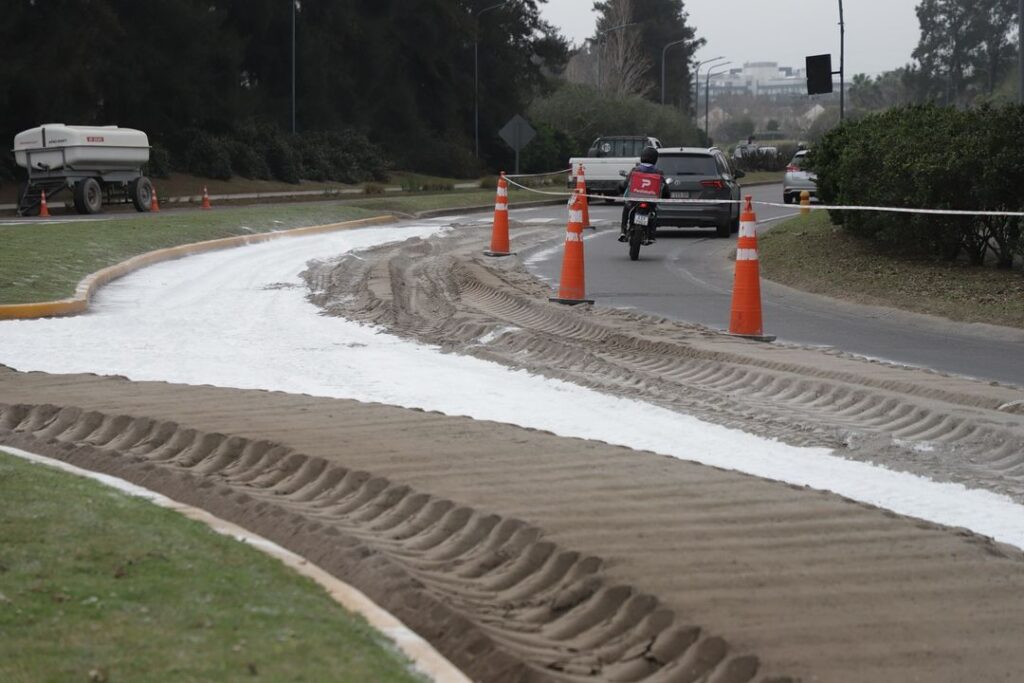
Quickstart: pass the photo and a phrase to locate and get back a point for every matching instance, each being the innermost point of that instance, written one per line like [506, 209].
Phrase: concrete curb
[79, 303]
[424, 657]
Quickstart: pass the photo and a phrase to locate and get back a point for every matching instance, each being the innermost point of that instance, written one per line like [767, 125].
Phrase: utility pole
[1020, 50]
[293, 66]
[842, 64]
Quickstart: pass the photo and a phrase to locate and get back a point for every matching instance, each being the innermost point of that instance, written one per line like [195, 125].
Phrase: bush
[249, 160]
[374, 189]
[159, 165]
[284, 161]
[757, 159]
[932, 158]
[581, 113]
[207, 156]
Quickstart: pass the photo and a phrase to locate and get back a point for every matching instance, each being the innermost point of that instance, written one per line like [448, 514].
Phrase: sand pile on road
[442, 291]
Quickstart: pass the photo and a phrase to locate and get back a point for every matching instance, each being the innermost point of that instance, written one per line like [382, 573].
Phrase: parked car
[797, 179]
[608, 156]
[700, 173]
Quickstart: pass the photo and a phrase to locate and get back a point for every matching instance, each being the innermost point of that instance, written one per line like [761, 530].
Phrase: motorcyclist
[648, 164]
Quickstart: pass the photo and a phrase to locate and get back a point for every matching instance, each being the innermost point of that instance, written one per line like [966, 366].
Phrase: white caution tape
[813, 207]
[539, 175]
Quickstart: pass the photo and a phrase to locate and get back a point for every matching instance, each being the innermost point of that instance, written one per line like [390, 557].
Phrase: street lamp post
[707, 95]
[696, 86]
[293, 67]
[1020, 50]
[842, 64]
[664, 51]
[476, 74]
[601, 34]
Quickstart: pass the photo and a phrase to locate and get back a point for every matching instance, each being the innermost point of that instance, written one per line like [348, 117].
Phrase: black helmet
[649, 156]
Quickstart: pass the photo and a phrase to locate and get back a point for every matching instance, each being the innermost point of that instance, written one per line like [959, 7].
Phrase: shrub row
[932, 158]
[262, 151]
[759, 160]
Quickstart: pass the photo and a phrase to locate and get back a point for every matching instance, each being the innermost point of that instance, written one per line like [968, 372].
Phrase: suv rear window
[798, 160]
[688, 164]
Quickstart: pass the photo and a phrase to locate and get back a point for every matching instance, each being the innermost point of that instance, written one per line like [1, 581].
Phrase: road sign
[518, 133]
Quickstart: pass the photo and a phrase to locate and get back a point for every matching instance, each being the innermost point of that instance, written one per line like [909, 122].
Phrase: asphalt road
[686, 275]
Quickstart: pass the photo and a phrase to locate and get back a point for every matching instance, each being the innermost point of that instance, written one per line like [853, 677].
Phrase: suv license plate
[680, 195]
[640, 219]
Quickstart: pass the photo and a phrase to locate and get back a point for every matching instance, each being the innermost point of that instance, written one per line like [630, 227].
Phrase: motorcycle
[641, 220]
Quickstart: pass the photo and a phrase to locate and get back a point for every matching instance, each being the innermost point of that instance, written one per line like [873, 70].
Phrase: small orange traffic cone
[745, 320]
[499, 234]
[44, 210]
[206, 200]
[154, 203]
[572, 287]
[581, 189]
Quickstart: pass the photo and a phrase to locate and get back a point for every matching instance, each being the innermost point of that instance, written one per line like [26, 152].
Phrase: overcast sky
[880, 34]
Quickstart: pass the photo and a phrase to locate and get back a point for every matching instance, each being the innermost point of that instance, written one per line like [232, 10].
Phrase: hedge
[929, 157]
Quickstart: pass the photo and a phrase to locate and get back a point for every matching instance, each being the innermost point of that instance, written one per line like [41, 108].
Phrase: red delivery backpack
[646, 185]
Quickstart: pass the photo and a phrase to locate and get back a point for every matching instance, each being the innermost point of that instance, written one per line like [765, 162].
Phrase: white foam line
[426, 660]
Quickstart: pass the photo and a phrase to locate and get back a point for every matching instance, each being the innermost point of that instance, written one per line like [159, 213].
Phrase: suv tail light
[792, 168]
[713, 184]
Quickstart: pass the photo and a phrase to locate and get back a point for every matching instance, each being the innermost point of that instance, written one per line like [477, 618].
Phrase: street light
[1020, 50]
[707, 95]
[664, 51]
[294, 3]
[598, 43]
[476, 73]
[842, 64]
[696, 85]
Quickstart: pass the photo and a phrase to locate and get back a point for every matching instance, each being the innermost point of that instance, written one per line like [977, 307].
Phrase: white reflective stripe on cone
[573, 237]
[746, 255]
[502, 191]
[748, 229]
[575, 216]
[501, 207]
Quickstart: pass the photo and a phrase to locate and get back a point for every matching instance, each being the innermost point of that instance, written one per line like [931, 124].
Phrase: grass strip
[98, 586]
[41, 262]
[811, 254]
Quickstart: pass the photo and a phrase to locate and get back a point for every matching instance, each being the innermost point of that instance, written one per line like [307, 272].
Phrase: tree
[964, 51]
[660, 22]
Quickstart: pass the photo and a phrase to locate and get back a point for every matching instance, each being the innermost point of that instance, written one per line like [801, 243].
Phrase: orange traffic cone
[154, 203]
[746, 293]
[572, 288]
[581, 189]
[206, 200]
[44, 210]
[499, 234]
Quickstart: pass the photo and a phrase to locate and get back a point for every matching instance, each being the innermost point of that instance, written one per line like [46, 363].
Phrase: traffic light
[819, 74]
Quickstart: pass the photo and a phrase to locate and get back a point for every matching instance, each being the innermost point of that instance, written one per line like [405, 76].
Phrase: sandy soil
[529, 557]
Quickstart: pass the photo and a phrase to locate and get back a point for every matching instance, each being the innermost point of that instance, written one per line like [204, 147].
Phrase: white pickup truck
[606, 158]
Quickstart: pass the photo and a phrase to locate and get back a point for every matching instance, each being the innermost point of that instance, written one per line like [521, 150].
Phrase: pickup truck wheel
[88, 196]
[141, 192]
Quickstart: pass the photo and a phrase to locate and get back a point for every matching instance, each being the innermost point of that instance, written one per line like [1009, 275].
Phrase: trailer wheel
[141, 192]
[88, 196]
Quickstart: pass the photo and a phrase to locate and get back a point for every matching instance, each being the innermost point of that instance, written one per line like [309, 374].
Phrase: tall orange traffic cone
[499, 234]
[44, 210]
[206, 200]
[154, 203]
[572, 287]
[745, 320]
[581, 189]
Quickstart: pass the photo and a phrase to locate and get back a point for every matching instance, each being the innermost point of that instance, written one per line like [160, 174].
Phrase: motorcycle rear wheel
[635, 240]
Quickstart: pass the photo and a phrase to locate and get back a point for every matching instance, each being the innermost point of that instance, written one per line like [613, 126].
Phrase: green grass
[99, 586]
[447, 200]
[762, 177]
[40, 262]
[809, 253]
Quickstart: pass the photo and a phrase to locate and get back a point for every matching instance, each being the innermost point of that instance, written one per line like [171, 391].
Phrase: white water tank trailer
[97, 164]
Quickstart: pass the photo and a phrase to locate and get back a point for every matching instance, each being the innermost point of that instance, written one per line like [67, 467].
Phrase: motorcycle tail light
[643, 206]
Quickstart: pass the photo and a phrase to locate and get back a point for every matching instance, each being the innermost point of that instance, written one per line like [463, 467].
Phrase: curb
[79, 303]
[424, 657]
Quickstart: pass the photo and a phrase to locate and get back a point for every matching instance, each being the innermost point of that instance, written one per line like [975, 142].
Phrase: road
[687, 276]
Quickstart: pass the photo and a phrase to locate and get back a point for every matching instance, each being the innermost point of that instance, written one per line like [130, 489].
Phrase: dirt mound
[494, 595]
[443, 292]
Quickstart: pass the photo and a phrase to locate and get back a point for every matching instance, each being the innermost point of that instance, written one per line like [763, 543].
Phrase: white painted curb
[426, 660]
